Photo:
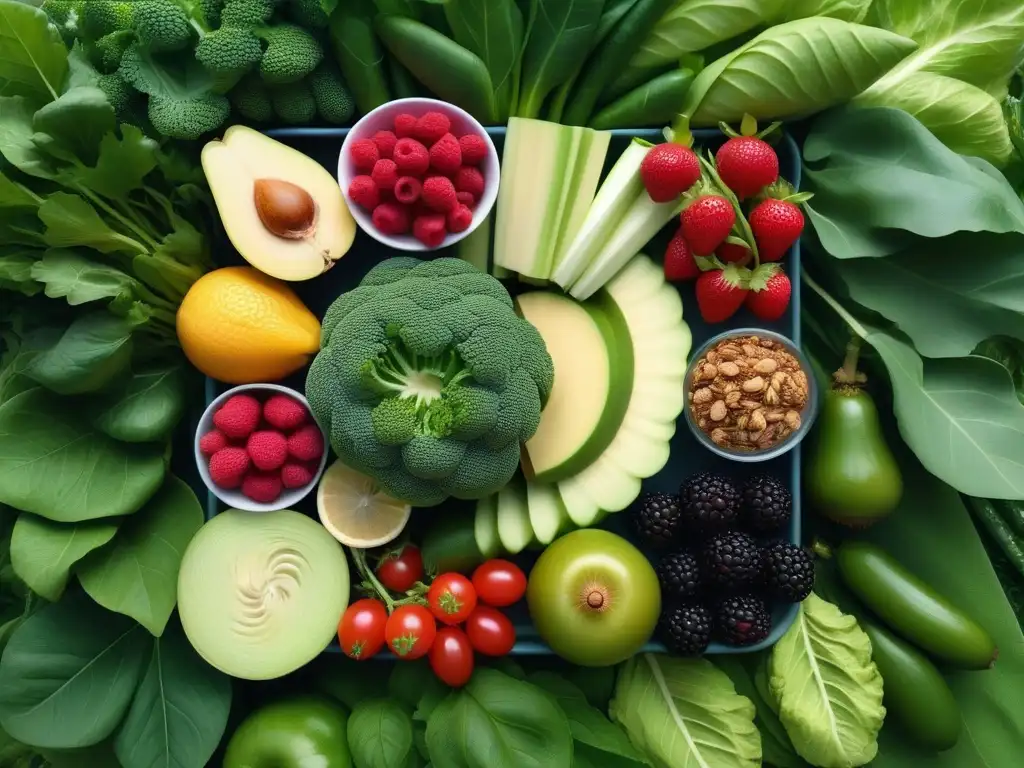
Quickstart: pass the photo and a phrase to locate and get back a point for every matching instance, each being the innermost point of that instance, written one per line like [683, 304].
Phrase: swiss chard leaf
[33, 59]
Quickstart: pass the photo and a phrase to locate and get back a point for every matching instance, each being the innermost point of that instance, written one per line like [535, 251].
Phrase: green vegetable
[560, 37]
[293, 103]
[251, 99]
[827, 688]
[915, 693]
[450, 544]
[913, 608]
[333, 101]
[793, 70]
[403, 84]
[654, 103]
[291, 54]
[999, 529]
[430, 397]
[611, 55]
[449, 70]
[44, 552]
[290, 734]
[847, 10]
[358, 53]
[685, 712]
[380, 734]
[146, 408]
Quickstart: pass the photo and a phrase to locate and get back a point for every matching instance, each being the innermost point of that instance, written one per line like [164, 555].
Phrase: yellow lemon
[356, 512]
[241, 326]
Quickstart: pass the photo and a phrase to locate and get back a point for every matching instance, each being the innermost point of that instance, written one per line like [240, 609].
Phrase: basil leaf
[380, 734]
[43, 552]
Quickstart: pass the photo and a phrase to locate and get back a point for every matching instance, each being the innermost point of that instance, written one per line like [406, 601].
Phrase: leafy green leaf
[68, 674]
[1009, 353]
[847, 10]
[685, 712]
[97, 756]
[16, 264]
[179, 712]
[122, 164]
[497, 721]
[827, 688]
[52, 463]
[78, 120]
[416, 687]
[793, 70]
[380, 734]
[94, 350]
[16, 143]
[43, 552]
[346, 680]
[71, 222]
[15, 195]
[147, 409]
[32, 54]
[68, 274]
[137, 574]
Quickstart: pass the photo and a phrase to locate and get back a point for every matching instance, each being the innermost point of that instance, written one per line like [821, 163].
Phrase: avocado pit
[286, 209]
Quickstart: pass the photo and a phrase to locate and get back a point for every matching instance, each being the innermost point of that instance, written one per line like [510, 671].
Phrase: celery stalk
[618, 192]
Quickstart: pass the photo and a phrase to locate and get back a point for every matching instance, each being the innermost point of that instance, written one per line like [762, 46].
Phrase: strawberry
[747, 165]
[680, 265]
[668, 170]
[770, 290]
[731, 253]
[776, 225]
[720, 292]
[707, 221]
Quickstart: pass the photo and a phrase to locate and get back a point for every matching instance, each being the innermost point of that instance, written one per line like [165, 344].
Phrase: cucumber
[915, 692]
[450, 544]
[514, 527]
[912, 608]
[485, 526]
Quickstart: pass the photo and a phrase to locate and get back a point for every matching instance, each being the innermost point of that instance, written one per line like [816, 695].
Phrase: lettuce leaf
[828, 690]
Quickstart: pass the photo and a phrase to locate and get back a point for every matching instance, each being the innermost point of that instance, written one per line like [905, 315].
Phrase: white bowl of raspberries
[418, 174]
[259, 449]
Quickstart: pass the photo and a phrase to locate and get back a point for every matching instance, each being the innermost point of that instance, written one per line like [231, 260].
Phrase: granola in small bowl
[750, 395]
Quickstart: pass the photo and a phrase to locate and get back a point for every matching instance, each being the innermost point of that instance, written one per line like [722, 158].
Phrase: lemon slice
[355, 511]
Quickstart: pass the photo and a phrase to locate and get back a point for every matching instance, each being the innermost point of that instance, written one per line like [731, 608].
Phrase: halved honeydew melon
[485, 526]
[548, 515]
[590, 347]
[514, 527]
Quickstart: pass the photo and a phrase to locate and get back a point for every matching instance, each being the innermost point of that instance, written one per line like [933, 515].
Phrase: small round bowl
[235, 498]
[807, 415]
[383, 119]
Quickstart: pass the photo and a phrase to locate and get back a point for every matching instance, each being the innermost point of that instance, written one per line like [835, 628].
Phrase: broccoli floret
[428, 381]
[294, 103]
[188, 118]
[251, 99]
[291, 54]
[246, 13]
[308, 13]
[65, 15]
[101, 17]
[333, 101]
[117, 91]
[209, 11]
[108, 50]
[162, 25]
[228, 53]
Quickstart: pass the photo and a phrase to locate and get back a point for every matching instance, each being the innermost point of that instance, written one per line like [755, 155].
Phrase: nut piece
[718, 410]
[755, 384]
[729, 369]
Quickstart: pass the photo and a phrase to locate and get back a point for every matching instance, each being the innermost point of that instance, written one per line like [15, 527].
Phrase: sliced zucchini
[548, 516]
[485, 526]
[514, 527]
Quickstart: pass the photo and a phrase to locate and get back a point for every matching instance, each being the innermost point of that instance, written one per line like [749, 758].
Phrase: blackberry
[686, 629]
[680, 576]
[732, 561]
[767, 504]
[657, 520]
[788, 571]
[709, 502]
[742, 620]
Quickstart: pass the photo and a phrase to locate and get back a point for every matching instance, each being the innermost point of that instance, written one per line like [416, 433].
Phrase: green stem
[359, 558]
[848, 373]
[851, 321]
[131, 214]
[748, 233]
[99, 203]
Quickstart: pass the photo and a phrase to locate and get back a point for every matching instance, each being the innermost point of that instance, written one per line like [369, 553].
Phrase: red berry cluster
[419, 177]
[262, 448]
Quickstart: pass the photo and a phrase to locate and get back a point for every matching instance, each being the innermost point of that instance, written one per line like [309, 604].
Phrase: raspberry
[431, 127]
[385, 174]
[363, 192]
[439, 193]
[228, 466]
[385, 141]
[445, 155]
[470, 180]
[411, 157]
[405, 125]
[212, 442]
[284, 412]
[296, 475]
[267, 448]
[238, 417]
[364, 154]
[391, 219]
[474, 149]
[407, 190]
[430, 229]
[459, 218]
[307, 443]
[466, 199]
[262, 488]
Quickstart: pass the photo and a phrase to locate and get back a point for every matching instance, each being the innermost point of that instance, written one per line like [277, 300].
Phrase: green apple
[297, 733]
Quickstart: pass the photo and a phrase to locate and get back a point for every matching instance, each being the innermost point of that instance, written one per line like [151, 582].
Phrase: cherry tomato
[410, 632]
[401, 570]
[490, 631]
[361, 630]
[452, 598]
[451, 657]
[499, 583]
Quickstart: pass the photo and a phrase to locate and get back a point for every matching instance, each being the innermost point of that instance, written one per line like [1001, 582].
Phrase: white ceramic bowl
[383, 119]
[235, 498]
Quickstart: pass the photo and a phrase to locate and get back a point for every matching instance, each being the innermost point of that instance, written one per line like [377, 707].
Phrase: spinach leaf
[596, 683]
[34, 56]
[137, 574]
[94, 351]
[497, 721]
[68, 674]
[97, 756]
[72, 222]
[16, 137]
[68, 274]
[347, 681]
[792, 70]
[52, 463]
[416, 687]
[147, 409]
[43, 552]
[380, 734]
[1009, 353]
[559, 37]
[76, 122]
[180, 709]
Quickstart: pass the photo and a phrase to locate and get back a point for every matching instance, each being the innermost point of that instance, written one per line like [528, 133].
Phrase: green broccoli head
[291, 54]
[107, 51]
[161, 25]
[308, 13]
[66, 16]
[101, 17]
[293, 103]
[246, 13]
[251, 99]
[333, 101]
[229, 52]
[428, 381]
